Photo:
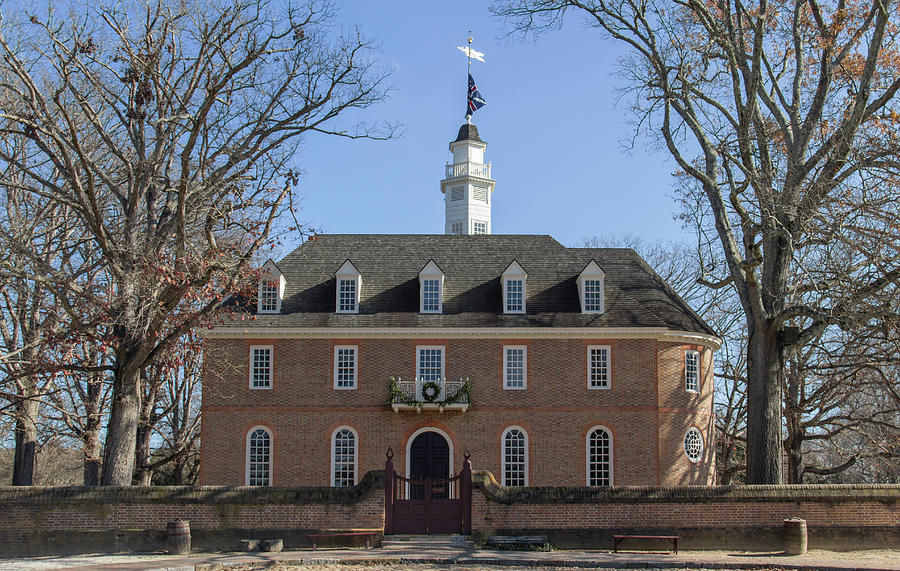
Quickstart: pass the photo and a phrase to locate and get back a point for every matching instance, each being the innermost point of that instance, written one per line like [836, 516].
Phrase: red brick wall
[646, 409]
[38, 520]
[837, 516]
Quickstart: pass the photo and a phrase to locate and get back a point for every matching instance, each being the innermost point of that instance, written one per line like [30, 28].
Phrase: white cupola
[468, 187]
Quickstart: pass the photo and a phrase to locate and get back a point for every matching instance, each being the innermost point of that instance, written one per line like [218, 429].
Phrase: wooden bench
[617, 539]
[369, 535]
[511, 540]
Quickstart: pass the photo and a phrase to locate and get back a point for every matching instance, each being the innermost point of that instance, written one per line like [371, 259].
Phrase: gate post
[389, 493]
[465, 489]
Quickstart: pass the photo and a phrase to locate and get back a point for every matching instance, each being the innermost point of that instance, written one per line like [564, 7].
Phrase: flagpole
[468, 73]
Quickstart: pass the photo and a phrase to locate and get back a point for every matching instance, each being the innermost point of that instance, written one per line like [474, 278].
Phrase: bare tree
[33, 233]
[785, 116]
[170, 131]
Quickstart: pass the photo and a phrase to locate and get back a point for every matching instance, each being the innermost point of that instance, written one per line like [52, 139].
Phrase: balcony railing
[419, 395]
[479, 170]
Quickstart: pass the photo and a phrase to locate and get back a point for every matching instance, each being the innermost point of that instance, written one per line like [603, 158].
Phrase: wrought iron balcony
[479, 170]
[419, 395]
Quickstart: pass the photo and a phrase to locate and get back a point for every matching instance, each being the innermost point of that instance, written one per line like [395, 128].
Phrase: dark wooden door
[429, 459]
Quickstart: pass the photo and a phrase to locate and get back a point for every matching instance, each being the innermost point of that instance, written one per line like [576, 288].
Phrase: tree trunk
[143, 474]
[121, 433]
[90, 438]
[26, 442]
[793, 445]
[765, 375]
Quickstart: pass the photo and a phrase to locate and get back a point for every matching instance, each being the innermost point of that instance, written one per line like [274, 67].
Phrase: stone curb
[511, 562]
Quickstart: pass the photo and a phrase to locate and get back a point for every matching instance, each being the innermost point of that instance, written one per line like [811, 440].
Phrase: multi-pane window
[598, 367]
[479, 227]
[344, 458]
[693, 444]
[259, 458]
[346, 296]
[261, 367]
[515, 458]
[515, 296]
[456, 228]
[593, 296]
[430, 364]
[514, 367]
[692, 370]
[345, 367]
[431, 296]
[599, 458]
[268, 296]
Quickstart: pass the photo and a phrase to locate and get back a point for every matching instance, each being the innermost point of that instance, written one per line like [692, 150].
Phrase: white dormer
[514, 292]
[271, 289]
[348, 282]
[591, 288]
[431, 288]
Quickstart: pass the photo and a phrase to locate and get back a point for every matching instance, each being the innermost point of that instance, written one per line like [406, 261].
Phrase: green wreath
[430, 391]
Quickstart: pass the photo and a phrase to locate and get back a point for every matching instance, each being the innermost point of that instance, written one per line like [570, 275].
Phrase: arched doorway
[429, 458]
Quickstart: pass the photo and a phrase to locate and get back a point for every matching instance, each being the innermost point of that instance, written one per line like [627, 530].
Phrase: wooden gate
[427, 506]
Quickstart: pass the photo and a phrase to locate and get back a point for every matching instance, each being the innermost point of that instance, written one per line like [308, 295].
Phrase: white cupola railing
[468, 168]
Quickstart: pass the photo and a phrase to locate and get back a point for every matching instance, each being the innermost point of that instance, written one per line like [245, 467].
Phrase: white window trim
[608, 367]
[503, 454]
[697, 380]
[514, 272]
[524, 349]
[419, 349]
[355, 454]
[440, 292]
[337, 307]
[271, 349]
[587, 455]
[271, 273]
[702, 444]
[431, 272]
[592, 272]
[475, 232]
[247, 454]
[355, 367]
[347, 272]
[506, 308]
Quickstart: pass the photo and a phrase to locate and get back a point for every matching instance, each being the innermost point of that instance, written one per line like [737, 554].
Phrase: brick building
[551, 365]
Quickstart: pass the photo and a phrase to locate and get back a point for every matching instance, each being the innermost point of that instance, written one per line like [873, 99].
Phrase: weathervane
[474, 100]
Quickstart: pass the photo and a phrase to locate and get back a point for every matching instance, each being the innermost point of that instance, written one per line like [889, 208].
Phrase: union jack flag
[475, 100]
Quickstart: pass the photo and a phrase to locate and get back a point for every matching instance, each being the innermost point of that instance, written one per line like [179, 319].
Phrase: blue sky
[553, 126]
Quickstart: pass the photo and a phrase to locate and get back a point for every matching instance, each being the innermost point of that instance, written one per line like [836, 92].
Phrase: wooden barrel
[795, 536]
[178, 537]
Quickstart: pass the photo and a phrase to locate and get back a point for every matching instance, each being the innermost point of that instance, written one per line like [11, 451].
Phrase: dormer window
[591, 288]
[271, 289]
[348, 283]
[513, 280]
[431, 288]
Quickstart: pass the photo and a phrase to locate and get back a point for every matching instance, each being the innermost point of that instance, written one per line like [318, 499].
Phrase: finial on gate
[466, 454]
[390, 453]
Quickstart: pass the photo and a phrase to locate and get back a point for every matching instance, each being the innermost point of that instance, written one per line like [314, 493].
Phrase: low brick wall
[39, 520]
[60, 520]
[838, 517]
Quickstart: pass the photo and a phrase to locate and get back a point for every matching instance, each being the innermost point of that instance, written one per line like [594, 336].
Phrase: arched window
[343, 457]
[515, 457]
[259, 457]
[599, 457]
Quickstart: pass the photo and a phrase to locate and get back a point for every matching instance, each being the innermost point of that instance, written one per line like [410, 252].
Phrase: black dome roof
[468, 132]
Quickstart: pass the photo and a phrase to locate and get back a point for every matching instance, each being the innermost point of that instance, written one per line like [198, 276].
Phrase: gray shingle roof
[390, 264]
